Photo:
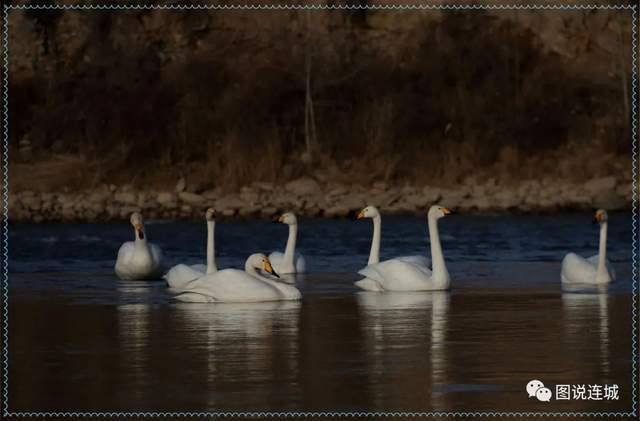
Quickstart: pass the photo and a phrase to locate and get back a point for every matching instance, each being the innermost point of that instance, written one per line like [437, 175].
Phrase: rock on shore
[308, 197]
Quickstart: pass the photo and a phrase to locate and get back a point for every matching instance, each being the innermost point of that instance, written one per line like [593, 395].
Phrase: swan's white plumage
[399, 275]
[418, 260]
[578, 270]
[406, 273]
[181, 274]
[233, 285]
[595, 270]
[133, 264]
[139, 259]
[290, 261]
[369, 285]
[276, 258]
[594, 261]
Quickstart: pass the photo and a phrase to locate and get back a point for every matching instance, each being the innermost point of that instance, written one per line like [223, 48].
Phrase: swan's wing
[179, 276]
[122, 261]
[288, 292]
[232, 285]
[418, 260]
[276, 260]
[577, 269]
[398, 275]
[301, 263]
[125, 252]
[369, 284]
[156, 254]
[192, 297]
[199, 268]
[594, 261]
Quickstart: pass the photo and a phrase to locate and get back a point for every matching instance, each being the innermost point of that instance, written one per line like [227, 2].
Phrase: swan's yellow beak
[281, 218]
[447, 211]
[269, 269]
[360, 214]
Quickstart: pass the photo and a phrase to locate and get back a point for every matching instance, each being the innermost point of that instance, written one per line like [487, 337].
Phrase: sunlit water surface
[80, 339]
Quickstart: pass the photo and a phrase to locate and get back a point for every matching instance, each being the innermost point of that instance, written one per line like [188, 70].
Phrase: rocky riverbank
[308, 197]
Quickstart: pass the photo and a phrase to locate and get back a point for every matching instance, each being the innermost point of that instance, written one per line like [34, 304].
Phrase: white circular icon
[533, 386]
[543, 394]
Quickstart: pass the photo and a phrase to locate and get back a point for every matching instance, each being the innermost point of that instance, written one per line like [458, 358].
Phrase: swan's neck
[440, 272]
[374, 255]
[289, 252]
[253, 271]
[250, 269]
[211, 251]
[140, 245]
[603, 274]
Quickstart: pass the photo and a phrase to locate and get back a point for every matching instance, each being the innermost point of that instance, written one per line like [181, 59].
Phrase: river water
[82, 340]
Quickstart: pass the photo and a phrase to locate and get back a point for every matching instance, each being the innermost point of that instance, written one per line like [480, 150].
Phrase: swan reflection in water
[587, 312]
[405, 336]
[241, 341]
[218, 347]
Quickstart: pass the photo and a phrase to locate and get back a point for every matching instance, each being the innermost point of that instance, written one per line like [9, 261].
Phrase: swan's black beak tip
[274, 273]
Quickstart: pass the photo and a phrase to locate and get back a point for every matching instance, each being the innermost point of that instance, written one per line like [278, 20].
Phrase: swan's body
[595, 270]
[233, 285]
[409, 273]
[139, 259]
[180, 275]
[289, 261]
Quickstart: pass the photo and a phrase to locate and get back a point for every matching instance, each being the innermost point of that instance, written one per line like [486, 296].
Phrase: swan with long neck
[290, 261]
[373, 213]
[178, 276]
[233, 285]
[407, 273]
[595, 270]
[139, 259]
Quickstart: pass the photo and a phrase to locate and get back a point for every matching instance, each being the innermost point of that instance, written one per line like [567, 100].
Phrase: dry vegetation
[149, 95]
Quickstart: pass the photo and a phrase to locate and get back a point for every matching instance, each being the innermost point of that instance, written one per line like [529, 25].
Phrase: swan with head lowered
[179, 275]
[240, 286]
[138, 259]
[289, 261]
[408, 273]
[594, 270]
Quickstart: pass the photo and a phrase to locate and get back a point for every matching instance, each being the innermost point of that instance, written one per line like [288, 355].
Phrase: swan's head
[260, 261]
[138, 224]
[600, 216]
[210, 214]
[437, 212]
[368, 212]
[288, 218]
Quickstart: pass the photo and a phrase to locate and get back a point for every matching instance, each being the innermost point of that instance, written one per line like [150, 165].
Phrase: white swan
[138, 259]
[409, 274]
[595, 270]
[179, 275]
[290, 261]
[374, 255]
[237, 286]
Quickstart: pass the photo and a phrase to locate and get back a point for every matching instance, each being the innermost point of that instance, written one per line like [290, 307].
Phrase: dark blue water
[80, 339]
